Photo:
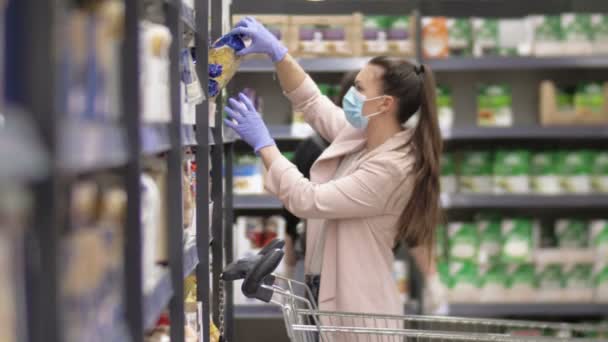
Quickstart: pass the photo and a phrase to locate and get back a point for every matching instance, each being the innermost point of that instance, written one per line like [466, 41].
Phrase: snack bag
[223, 62]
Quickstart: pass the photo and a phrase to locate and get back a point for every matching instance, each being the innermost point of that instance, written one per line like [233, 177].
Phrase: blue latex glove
[249, 124]
[262, 40]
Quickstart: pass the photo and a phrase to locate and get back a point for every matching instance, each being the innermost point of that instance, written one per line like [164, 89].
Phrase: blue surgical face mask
[352, 103]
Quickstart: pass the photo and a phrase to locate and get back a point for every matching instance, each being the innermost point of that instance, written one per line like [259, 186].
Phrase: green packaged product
[464, 281]
[375, 30]
[600, 281]
[476, 172]
[598, 231]
[599, 25]
[490, 240]
[522, 283]
[399, 36]
[494, 283]
[548, 35]
[448, 179]
[578, 33]
[589, 100]
[518, 240]
[571, 233]
[511, 172]
[443, 269]
[485, 37]
[544, 171]
[551, 283]
[574, 168]
[599, 172]
[464, 241]
[460, 37]
[494, 105]
[445, 111]
[578, 283]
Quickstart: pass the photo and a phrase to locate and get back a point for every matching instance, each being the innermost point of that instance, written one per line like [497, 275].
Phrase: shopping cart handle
[261, 274]
[240, 268]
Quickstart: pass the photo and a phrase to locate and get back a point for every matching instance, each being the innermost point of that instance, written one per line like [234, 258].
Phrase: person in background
[376, 185]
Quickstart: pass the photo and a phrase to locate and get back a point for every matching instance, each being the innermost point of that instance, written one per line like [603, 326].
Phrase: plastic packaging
[476, 172]
[223, 62]
[511, 172]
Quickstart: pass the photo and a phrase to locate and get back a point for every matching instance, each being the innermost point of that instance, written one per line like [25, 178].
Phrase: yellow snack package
[223, 62]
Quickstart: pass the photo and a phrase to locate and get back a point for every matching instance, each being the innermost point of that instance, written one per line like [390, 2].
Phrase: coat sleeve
[364, 193]
[319, 111]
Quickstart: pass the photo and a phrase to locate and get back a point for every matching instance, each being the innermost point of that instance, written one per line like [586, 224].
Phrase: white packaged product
[599, 24]
[463, 241]
[545, 177]
[150, 216]
[154, 78]
[599, 180]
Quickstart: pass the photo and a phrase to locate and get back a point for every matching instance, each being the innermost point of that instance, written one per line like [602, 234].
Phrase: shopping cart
[304, 322]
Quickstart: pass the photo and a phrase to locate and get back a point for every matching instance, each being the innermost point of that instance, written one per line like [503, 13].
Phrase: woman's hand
[248, 123]
[262, 40]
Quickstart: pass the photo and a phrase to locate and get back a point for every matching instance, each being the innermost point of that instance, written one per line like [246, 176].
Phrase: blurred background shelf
[473, 133]
[466, 201]
[20, 144]
[328, 64]
[257, 311]
[86, 146]
[529, 310]
[517, 63]
[544, 202]
[188, 17]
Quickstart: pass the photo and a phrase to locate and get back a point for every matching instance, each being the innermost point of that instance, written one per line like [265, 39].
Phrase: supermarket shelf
[329, 64]
[155, 138]
[474, 133]
[529, 310]
[257, 202]
[157, 299]
[528, 133]
[531, 202]
[86, 146]
[498, 63]
[465, 201]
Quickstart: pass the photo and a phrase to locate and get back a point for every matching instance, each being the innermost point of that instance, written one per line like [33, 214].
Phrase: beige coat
[360, 211]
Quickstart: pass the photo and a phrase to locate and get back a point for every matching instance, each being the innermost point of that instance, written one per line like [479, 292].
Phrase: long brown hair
[414, 88]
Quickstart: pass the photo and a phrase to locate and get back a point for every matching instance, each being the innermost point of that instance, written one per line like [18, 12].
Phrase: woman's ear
[387, 103]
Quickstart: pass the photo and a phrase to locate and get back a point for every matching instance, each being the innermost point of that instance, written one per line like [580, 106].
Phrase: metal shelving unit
[329, 64]
[76, 147]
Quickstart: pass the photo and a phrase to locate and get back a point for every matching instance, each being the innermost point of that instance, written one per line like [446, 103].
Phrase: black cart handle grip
[241, 268]
[259, 275]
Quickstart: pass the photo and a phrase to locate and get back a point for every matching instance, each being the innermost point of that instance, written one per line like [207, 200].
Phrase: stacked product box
[547, 172]
[518, 259]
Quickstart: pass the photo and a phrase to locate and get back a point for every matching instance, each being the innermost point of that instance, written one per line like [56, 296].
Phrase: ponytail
[414, 87]
[422, 213]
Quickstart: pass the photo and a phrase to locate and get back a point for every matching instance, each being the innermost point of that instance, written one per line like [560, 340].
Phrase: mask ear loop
[376, 113]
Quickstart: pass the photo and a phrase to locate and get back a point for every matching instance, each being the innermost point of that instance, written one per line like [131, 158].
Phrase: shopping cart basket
[304, 322]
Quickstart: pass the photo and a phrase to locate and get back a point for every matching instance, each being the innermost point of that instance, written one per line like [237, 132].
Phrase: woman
[376, 184]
